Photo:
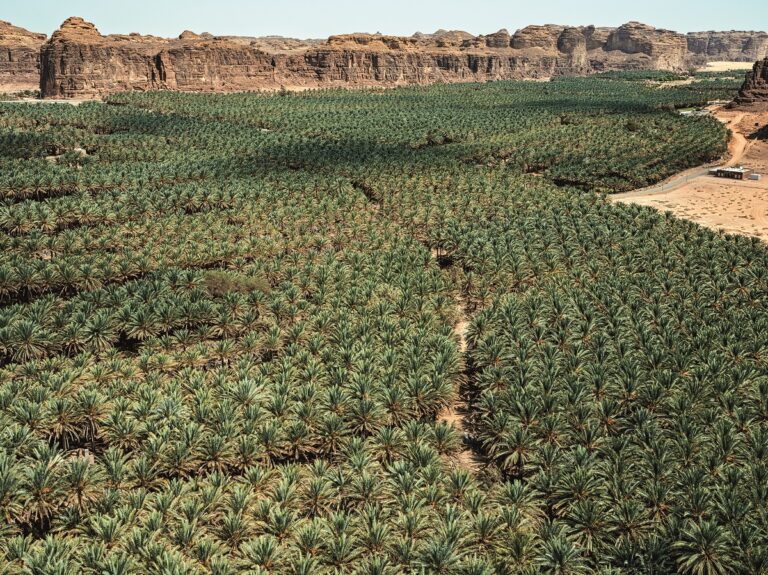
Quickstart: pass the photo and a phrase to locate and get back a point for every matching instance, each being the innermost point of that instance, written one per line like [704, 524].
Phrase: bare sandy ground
[727, 66]
[738, 207]
[72, 102]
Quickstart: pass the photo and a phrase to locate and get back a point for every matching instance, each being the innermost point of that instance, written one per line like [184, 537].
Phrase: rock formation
[706, 47]
[19, 58]
[755, 88]
[79, 62]
[658, 49]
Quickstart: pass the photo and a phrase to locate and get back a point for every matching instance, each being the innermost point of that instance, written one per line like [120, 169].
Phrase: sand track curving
[737, 207]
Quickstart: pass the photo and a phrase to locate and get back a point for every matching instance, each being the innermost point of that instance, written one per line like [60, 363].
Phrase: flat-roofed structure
[739, 173]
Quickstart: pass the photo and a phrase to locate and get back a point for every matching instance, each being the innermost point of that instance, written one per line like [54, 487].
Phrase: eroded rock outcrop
[499, 40]
[755, 88]
[663, 49]
[78, 62]
[19, 58]
[732, 46]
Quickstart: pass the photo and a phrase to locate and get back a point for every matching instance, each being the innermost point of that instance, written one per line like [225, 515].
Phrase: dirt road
[737, 149]
[733, 206]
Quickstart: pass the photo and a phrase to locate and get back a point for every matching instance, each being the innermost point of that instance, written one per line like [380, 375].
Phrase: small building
[739, 173]
[755, 177]
[696, 113]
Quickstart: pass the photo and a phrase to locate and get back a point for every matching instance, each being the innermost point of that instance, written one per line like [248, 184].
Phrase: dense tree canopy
[228, 336]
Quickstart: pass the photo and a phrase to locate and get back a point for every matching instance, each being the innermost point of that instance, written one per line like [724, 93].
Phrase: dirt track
[456, 415]
[738, 207]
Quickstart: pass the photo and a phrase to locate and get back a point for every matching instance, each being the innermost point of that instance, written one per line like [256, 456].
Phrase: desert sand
[727, 66]
[738, 207]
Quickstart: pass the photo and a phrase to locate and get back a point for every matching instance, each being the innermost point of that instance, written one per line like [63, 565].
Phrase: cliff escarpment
[78, 62]
[19, 58]
[731, 46]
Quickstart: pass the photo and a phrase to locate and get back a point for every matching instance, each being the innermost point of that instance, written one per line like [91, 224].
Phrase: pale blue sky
[320, 18]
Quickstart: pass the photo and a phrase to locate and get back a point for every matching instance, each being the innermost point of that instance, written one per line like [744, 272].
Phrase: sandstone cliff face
[78, 62]
[755, 88]
[665, 50]
[706, 47]
[19, 58]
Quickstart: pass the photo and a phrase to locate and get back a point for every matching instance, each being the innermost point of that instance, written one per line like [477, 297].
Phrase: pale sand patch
[736, 207]
[739, 207]
[727, 66]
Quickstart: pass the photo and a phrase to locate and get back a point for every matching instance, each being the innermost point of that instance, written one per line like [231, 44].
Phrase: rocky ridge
[19, 57]
[79, 62]
[755, 88]
[731, 46]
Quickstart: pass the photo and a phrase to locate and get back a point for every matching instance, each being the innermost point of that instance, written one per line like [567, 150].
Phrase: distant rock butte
[755, 88]
[731, 46]
[79, 62]
[19, 58]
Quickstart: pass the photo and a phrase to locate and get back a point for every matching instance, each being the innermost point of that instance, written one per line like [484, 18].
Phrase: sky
[321, 18]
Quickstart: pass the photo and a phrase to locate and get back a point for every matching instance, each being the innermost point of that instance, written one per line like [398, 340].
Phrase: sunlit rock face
[755, 88]
[79, 62]
[19, 58]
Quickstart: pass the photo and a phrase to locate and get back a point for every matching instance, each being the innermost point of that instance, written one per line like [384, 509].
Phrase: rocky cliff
[79, 62]
[755, 88]
[19, 58]
[733, 46]
[659, 49]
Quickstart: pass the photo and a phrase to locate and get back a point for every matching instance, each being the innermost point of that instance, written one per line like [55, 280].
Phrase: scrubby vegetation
[231, 327]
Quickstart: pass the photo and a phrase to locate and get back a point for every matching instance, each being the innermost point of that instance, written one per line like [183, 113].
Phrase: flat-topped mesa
[19, 58]
[733, 46]
[755, 88]
[79, 62]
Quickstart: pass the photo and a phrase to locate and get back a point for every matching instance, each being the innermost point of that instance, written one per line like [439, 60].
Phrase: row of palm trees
[625, 371]
[140, 144]
[228, 340]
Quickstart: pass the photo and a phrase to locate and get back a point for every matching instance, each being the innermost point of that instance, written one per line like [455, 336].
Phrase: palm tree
[42, 488]
[560, 557]
[83, 481]
[261, 553]
[704, 548]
